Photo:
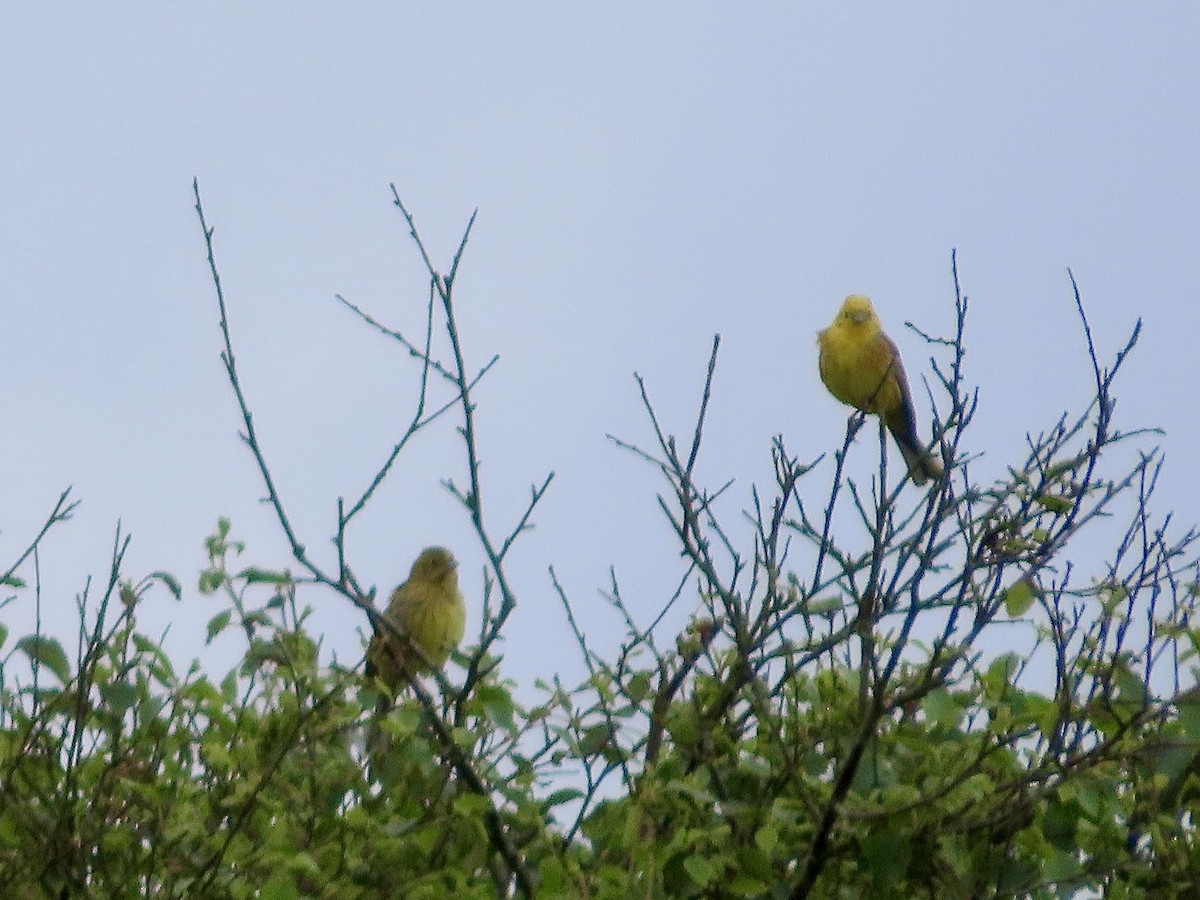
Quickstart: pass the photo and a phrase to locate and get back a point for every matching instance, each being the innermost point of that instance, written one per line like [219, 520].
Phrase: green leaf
[824, 606]
[218, 623]
[1041, 711]
[1064, 866]
[262, 650]
[48, 652]
[470, 806]
[767, 838]
[12, 581]
[1188, 704]
[594, 740]
[281, 887]
[1018, 597]
[210, 580]
[162, 662]
[229, 686]
[699, 869]
[997, 680]
[1016, 876]
[683, 727]
[941, 708]
[303, 864]
[561, 796]
[10, 834]
[255, 575]
[1130, 687]
[746, 886]
[120, 697]
[1055, 503]
[886, 855]
[169, 581]
[552, 879]
[116, 842]
[1060, 823]
[638, 687]
[498, 703]
[1096, 798]
[1061, 468]
[1172, 756]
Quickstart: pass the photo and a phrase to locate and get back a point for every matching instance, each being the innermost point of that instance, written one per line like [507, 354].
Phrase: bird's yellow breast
[434, 617]
[857, 365]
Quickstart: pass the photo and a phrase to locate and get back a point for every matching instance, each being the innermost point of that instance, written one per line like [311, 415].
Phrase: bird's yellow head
[857, 310]
[435, 564]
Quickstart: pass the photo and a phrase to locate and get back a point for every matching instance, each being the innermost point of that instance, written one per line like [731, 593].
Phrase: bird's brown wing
[899, 415]
[385, 656]
[901, 421]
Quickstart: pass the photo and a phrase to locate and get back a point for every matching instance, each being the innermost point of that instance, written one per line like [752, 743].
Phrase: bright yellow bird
[429, 610]
[861, 366]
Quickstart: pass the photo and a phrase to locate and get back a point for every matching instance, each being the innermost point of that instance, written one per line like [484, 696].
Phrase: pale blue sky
[645, 177]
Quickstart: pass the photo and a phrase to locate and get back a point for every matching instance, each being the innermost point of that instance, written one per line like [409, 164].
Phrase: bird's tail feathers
[922, 465]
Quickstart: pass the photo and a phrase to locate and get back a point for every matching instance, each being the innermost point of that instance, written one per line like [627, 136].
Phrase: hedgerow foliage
[880, 692]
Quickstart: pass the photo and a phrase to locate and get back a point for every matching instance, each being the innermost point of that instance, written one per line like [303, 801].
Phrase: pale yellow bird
[861, 367]
[428, 609]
